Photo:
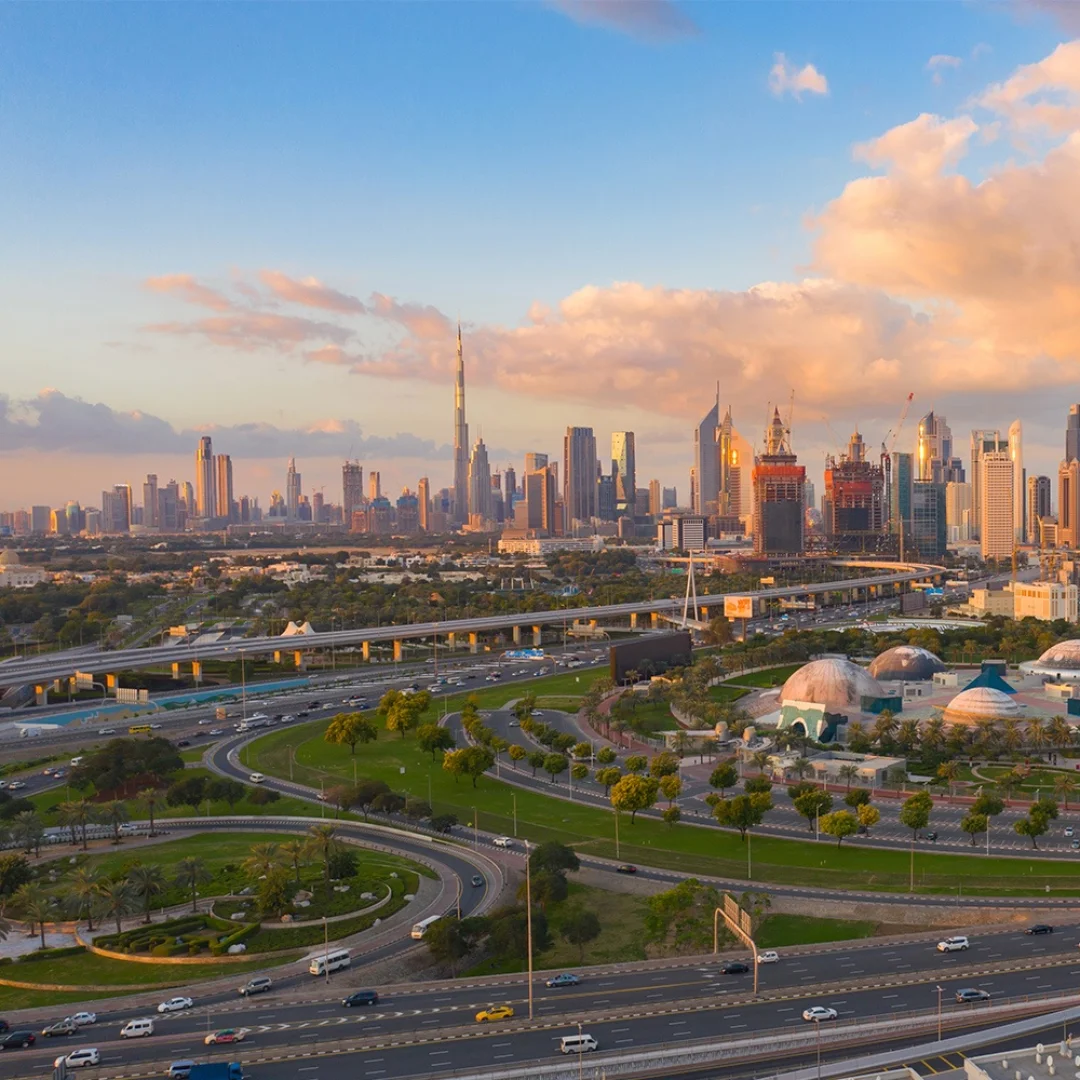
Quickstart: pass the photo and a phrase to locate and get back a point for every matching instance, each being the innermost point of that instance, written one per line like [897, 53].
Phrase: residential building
[539, 506]
[352, 489]
[116, 509]
[996, 531]
[779, 495]
[623, 473]
[1038, 505]
[205, 481]
[958, 511]
[226, 506]
[408, 514]
[150, 502]
[579, 474]
[168, 508]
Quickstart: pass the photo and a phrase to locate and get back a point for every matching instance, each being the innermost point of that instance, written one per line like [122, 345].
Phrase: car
[477, 881]
[217, 731]
[176, 1004]
[314, 704]
[495, 1012]
[930, 836]
[46, 772]
[971, 994]
[953, 944]
[625, 868]
[137, 1029]
[503, 841]
[67, 1026]
[225, 1035]
[184, 742]
[361, 997]
[18, 1040]
[1076, 845]
[109, 730]
[15, 785]
[734, 967]
[1040, 928]
[322, 796]
[1069, 830]
[84, 1056]
[288, 719]
[155, 727]
[565, 979]
[84, 1018]
[769, 957]
[205, 720]
[257, 778]
[259, 985]
[817, 1013]
[59, 774]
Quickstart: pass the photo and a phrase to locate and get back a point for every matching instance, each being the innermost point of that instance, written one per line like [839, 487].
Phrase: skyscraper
[479, 485]
[958, 511]
[461, 441]
[374, 485]
[982, 442]
[996, 527]
[779, 495]
[624, 471]
[900, 493]
[533, 462]
[352, 489]
[1038, 505]
[579, 474]
[168, 512]
[929, 532]
[509, 490]
[1069, 503]
[705, 477]
[729, 463]
[423, 504]
[1016, 455]
[854, 508]
[538, 513]
[150, 502]
[654, 498]
[205, 481]
[1072, 434]
[293, 491]
[226, 508]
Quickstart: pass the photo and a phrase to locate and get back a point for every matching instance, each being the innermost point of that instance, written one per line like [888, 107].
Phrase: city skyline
[305, 342]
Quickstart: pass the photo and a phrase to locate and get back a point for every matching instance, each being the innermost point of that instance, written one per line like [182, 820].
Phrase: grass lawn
[193, 754]
[725, 694]
[684, 848]
[650, 717]
[777, 931]
[1041, 778]
[562, 704]
[775, 676]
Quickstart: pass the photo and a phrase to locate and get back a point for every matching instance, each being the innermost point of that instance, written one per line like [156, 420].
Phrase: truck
[210, 1070]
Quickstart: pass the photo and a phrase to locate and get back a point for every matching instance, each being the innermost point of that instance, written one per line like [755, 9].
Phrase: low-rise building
[15, 575]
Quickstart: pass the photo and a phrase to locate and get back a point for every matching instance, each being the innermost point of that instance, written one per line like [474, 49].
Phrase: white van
[334, 960]
[76, 760]
[577, 1044]
[135, 1029]
[256, 778]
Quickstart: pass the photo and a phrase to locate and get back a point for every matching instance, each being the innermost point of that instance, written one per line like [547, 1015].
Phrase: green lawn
[777, 931]
[562, 704]
[192, 754]
[775, 676]
[725, 694]
[685, 848]
[1039, 779]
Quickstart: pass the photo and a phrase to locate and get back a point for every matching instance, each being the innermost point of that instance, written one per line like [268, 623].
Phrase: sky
[262, 222]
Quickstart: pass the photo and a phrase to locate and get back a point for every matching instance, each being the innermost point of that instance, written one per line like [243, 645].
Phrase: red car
[226, 1035]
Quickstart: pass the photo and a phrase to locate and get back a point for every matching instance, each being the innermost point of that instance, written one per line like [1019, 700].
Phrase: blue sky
[478, 158]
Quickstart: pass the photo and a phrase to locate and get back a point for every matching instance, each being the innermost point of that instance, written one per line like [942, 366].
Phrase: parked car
[83, 1057]
[67, 1026]
[176, 1004]
[819, 1013]
[971, 994]
[495, 1012]
[565, 979]
[18, 1040]
[953, 944]
[226, 1035]
[1040, 928]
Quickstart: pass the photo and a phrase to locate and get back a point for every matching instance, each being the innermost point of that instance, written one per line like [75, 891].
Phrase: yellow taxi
[495, 1012]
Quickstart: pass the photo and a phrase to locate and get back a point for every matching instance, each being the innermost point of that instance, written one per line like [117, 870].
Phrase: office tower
[958, 511]
[539, 508]
[779, 495]
[929, 533]
[187, 493]
[479, 485]
[39, 519]
[169, 507]
[654, 498]
[996, 529]
[1072, 434]
[670, 499]
[461, 441]
[374, 485]
[225, 507]
[705, 475]
[623, 472]
[509, 490]
[579, 474]
[810, 495]
[498, 505]
[1069, 503]
[535, 462]
[1038, 505]
[318, 507]
[150, 502]
[928, 454]
[902, 477]
[408, 514]
[983, 441]
[205, 481]
[1016, 455]
[76, 519]
[58, 525]
[116, 509]
[93, 522]
[854, 510]
[352, 488]
[423, 504]
[606, 501]
[293, 491]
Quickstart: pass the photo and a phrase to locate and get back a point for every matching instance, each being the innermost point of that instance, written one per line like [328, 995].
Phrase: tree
[323, 840]
[579, 771]
[724, 776]
[582, 750]
[579, 927]
[114, 813]
[364, 795]
[525, 706]
[868, 815]
[1060, 733]
[517, 753]
[431, 738]
[223, 789]
[295, 853]
[348, 729]
[147, 882]
[757, 785]
[555, 764]
[1064, 786]
[151, 798]
[973, 824]
[554, 858]
[849, 773]
[633, 793]
[605, 755]
[454, 762]
[263, 859]
[402, 711]
[636, 763]
[117, 900]
[1038, 819]
[988, 803]
[671, 815]
[274, 892]
[546, 888]
[478, 759]
[82, 888]
[450, 940]
[32, 902]
[536, 759]
[664, 764]
[840, 823]
[27, 830]
[949, 771]
[671, 788]
[915, 812]
[188, 791]
[190, 874]
[743, 811]
[609, 776]
[858, 797]
[67, 817]
[813, 805]
[681, 918]
[118, 764]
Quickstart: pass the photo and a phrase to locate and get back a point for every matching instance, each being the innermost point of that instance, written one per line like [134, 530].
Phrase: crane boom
[900, 423]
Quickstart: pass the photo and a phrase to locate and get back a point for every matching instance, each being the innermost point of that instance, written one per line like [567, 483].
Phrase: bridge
[43, 670]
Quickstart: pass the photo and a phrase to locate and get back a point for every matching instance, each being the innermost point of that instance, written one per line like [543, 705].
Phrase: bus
[334, 960]
[139, 729]
[423, 926]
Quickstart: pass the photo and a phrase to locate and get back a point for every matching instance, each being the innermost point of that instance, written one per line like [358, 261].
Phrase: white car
[16, 785]
[176, 1004]
[256, 778]
[503, 841]
[769, 957]
[107, 731]
[817, 1013]
[81, 1019]
[77, 1058]
[953, 944]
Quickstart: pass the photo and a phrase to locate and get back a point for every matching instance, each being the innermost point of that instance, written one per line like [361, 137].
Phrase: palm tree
[933, 734]
[33, 902]
[848, 773]
[147, 882]
[151, 798]
[800, 767]
[884, 726]
[116, 900]
[295, 851]
[263, 859]
[987, 737]
[1064, 786]
[191, 873]
[1011, 735]
[83, 890]
[114, 813]
[1009, 782]
[1061, 733]
[907, 735]
[69, 816]
[949, 771]
[760, 758]
[27, 830]
[1036, 733]
[323, 841]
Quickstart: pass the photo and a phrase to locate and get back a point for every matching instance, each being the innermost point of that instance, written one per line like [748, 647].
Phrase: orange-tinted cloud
[310, 293]
[646, 19]
[189, 289]
[251, 330]
[785, 78]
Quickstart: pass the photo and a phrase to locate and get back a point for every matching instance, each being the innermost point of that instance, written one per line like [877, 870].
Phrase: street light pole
[817, 1025]
[243, 688]
[326, 948]
[939, 990]
[475, 827]
[528, 924]
[514, 797]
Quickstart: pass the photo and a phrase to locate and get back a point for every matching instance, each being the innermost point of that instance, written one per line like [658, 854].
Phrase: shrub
[263, 796]
[52, 954]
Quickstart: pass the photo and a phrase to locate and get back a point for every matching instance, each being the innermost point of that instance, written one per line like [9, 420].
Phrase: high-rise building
[374, 485]
[729, 463]
[1068, 531]
[670, 499]
[928, 535]
[705, 474]
[779, 495]
[1016, 455]
[983, 441]
[654, 498]
[352, 488]
[205, 480]
[225, 509]
[1072, 434]
[1038, 505]
[461, 441]
[958, 511]
[623, 472]
[150, 502]
[854, 510]
[76, 519]
[479, 485]
[579, 474]
[538, 512]
[535, 462]
[168, 512]
[187, 494]
[318, 507]
[116, 509]
[423, 504]
[605, 499]
[509, 490]
[902, 476]
[39, 519]
[498, 506]
[293, 491]
[934, 458]
[996, 528]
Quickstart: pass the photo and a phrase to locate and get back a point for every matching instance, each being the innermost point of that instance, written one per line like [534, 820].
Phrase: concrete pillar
[277, 656]
[593, 624]
[196, 671]
[538, 638]
[176, 670]
[58, 686]
[365, 649]
[633, 620]
[451, 641]
[517, 635]
[300, 661]
[654, 618]
[397, 650]
[110, 682]
[703, 614]
[41, 694]
[474, 642]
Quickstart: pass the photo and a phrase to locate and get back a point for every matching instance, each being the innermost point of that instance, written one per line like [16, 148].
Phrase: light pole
[939, 991]
[528, 924]
[475, 827]
[817, 1025]
[514, 797]
[616, 809]
[749, 864]
[243, 688]
[326, 948]
[581, 1052]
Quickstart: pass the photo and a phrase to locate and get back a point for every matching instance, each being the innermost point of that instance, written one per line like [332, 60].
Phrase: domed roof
[1065, 653]
[9, 558]
[981, 702]
[831, 682]
[906, 663]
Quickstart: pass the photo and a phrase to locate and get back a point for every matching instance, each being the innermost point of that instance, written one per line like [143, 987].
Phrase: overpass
[43, 670]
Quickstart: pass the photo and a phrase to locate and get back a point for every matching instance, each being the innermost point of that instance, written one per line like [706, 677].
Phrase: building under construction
[779, 495]
[854, 509]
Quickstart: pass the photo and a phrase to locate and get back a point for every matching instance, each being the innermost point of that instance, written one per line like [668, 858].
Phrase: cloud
[784, 78]
[940, 63]
[1044, 95]
[55, 423]
[187, 288]
[251, 330]
[922, 147]
[646, 19]
[310, 293]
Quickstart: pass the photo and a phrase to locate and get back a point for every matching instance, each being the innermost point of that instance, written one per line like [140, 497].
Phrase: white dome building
[982, 703]
[14, 574]
[838, 684]
[906, 663]
[1061, 662]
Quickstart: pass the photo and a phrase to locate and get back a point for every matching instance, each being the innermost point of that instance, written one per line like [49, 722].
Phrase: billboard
[84, 680]
[651, 654]
[524, 654]
[738, 607]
